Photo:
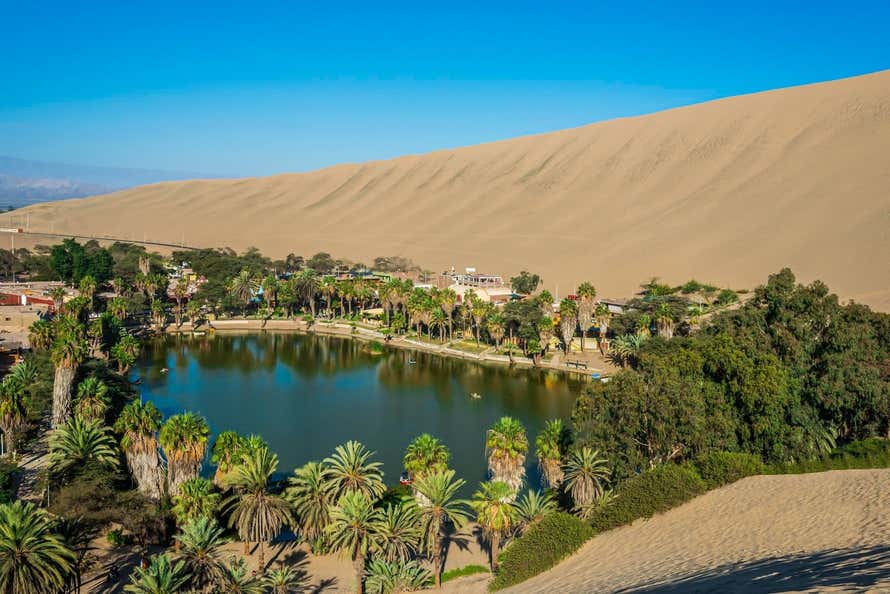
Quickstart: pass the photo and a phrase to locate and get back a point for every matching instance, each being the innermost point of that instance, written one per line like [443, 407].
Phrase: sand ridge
[726, 191]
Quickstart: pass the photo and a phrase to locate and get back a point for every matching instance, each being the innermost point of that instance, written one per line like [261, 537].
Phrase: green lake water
[306, 394]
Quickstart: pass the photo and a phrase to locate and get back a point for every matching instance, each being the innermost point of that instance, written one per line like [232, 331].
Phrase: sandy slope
[817, 532]
[725, 191]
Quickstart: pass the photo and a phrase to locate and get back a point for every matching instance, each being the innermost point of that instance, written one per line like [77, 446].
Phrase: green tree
[196, 499]
[354, 530]
[568, 322]
[506, 445]
[77, 442]
[199, 546]
[425, 454]
[284, 580]
[125, 352]
[550, 447]
[184, 439]
[393, 577]
[532, 507]
[138, 426]
[350, 469]
[161, 577]
[33, 560]
[525, 283]
[440, 508]
[257, 514]
[236, 579]
[68, 352]
[586, 308]
[399, 531]
[13, 411]
[495, 513]
[92, 400]
[41, 335]
[586, 477]
[310, 493]
[243, 287]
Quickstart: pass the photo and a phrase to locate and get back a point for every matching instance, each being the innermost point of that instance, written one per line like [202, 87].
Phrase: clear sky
[250, 88]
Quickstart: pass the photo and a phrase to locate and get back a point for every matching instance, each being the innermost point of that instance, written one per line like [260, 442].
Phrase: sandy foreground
[727, 192]
[795, 533]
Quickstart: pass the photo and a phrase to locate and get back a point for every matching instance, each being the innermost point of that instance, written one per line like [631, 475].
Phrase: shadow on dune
[854, 569]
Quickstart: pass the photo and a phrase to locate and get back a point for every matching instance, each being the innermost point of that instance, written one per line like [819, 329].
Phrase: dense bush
[545, 544]
[721, 468]
[651, 492]
[459, 572]
[6, 480]
[867, 453]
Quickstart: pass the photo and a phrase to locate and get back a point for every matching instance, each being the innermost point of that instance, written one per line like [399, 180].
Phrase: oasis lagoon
[306, 394]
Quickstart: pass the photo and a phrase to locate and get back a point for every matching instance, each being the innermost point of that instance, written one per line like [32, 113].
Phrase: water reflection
[306, 394]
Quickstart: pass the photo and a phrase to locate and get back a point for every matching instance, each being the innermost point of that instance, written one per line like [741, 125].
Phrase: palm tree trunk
[495, 545]
[62, 382]
[246, 547]
[262, 559]
[437, 563]
[359, 564]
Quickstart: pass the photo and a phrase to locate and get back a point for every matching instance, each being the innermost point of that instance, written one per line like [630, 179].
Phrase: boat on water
[476, 396]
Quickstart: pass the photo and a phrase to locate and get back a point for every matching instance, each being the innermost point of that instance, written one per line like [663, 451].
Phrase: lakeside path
[822, 532]
[365, 334]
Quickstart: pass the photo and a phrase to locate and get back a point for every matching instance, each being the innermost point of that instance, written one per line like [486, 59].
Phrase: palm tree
[199, 545]
[125, 352]
[33, 560]
[310, 493]
[92, 400]
[58, 294]
[235, 579]
[550, 447]
[138, 424]
[118, 308]
[196, 499]
[308, 284]
[696, 312]
[643, 327]
[243, 287]
[568, 322]
[327, 287]
[399, 531]
[586, 308]
[41, 335]
[586, 477]
[506, 445]
[180, 292]
[77, 442]
[425, 454]
[26, 373]
[13, 410]
[161, 577]
[184, 439]
[194, 311]
[68, 351]
[495, 513]
[438, 321]
[447, 301]
[603, 317]
[354, 529]
[87, 289]
[395, 577]
[284, 580]
[626, 349]
[440, 508]
[226, 452]
[350, 469]
[257, 514]
[664, 318]
[532, 507]
[496, 325]
[158, 314]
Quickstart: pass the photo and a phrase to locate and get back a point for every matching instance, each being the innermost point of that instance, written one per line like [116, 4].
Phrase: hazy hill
[725, 191]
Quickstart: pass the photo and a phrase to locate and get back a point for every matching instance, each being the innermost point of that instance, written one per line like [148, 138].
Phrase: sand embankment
[794, 533]
[726, 191]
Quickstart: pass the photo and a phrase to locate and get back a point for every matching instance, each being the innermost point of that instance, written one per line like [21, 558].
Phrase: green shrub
[116, 538]
[546, 543]
[867, 453]
[654, 491]
[453, 574]
[721, 468]
[6, 470]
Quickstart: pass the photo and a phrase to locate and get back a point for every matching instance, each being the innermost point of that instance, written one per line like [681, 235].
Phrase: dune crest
[725, 191]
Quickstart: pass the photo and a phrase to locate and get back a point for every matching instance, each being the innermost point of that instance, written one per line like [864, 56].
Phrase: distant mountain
[24, 182]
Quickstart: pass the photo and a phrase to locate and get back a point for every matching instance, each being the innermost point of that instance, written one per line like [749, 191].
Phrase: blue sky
[255, 88]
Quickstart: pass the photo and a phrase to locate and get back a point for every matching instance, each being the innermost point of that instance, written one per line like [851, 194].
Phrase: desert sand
[795, 533]
[726, 191]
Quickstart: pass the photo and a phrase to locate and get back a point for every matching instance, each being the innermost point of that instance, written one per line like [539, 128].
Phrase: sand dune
[725, 191]
[805, 533]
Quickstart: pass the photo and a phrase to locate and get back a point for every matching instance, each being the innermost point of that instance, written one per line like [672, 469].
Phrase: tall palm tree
[425, 454]
[350, 469]
[33, 560]
[92, 400]
[354, 529]
[161, 577]
[243, 287]
[41, 335]
[77, 442]
[257, 514]
[125, 352]
[496, 326]
[447, 301]
[532, 507]
[310, 493]
[439, 322]
[327, 287]
[441, 508]
[550, 446]
[199, 545]
[643, 328]
[603, 316]
[568, 322]
[495, 513]
[13, 411]
[180, 292]
[586, 477]
[385, 577]
[196, 499]
[236, 579]
[625, 350]
[308, 284]
[184, 439]
[586, 308]
[399, 531]
[284, 580]
[664, 318]
[118, 308]
[69, 350]
[58, 294]
[25, 372]
[87, 289]
[506, 445]
[226, 452]
[138, 425]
